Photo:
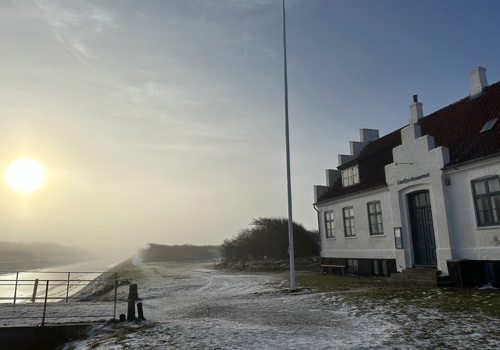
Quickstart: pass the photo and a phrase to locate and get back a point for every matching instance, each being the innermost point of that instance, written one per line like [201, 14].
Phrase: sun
[25, 175]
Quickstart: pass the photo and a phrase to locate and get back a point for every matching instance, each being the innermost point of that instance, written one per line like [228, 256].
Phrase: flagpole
[288, 178]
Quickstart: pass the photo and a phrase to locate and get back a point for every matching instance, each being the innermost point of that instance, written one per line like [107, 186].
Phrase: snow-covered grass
[192, 306]
[466, 300]
[426, 317]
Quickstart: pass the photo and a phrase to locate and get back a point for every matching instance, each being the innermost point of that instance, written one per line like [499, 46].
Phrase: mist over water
[35, 256]
[57, 277]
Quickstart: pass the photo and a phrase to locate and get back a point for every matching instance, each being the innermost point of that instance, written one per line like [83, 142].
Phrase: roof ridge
[456, 126]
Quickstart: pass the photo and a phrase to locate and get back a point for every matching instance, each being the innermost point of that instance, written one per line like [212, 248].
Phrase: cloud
[237, 25]
[75, 26]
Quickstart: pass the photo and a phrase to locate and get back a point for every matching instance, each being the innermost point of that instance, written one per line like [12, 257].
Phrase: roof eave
[351, 194]
[454, 165]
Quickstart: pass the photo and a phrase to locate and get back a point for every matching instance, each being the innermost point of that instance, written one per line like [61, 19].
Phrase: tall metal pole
[289, 184]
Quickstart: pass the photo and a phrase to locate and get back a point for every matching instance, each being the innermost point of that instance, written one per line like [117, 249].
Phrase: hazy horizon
[163, 121]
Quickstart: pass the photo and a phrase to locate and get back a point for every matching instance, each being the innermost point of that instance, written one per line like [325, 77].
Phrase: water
[64, 281]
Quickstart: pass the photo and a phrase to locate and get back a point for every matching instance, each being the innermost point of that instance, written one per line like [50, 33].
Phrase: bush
[268, 237]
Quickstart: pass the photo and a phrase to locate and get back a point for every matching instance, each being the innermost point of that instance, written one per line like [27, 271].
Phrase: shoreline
[7, 267]
[122, 271]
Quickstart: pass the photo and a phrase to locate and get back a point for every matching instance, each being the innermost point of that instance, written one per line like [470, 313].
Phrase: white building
[424, 196]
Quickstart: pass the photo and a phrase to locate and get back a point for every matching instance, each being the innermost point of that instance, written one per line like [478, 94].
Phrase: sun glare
[25, 175]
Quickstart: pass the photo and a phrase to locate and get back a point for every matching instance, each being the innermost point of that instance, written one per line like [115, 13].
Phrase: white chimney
[368, 135]
[332, 176]
[478, 81]
[416, 110]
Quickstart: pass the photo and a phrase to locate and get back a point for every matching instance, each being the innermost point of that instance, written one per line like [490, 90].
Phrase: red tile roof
[456, 126]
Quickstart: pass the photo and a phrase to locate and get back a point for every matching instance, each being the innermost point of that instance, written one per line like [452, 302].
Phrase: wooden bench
[326, 268]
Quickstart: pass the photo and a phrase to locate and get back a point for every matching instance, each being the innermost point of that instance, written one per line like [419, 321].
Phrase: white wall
[469, 241]
[363, 245]
[418, 165]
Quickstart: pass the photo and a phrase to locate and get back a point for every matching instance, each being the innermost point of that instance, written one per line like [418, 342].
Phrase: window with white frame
[487, 200]
[350, 176]
[329, 224]
[349, 228]
[375, 218]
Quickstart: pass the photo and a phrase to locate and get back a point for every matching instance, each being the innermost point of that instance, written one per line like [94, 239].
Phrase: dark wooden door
[422, 229]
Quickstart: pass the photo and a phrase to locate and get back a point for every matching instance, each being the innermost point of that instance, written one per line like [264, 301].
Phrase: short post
[45, 303]
[35, 287]
[15, 287]
[133, 295]
[131, 310]
[140, 314]
[132, 292]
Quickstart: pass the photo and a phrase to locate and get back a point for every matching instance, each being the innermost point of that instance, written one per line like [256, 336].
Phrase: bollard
[140, 314]
[35, 287]
[131, 310]
[132, 292]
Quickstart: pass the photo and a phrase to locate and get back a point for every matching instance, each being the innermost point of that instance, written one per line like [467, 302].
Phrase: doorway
[422, 229]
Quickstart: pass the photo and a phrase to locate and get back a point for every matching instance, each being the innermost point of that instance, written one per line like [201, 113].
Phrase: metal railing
[91, 293]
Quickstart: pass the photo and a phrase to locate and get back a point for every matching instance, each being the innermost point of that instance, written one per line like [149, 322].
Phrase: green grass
[424, 316]
[364, 292]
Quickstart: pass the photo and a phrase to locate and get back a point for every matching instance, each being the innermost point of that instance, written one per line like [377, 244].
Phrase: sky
[162, 121]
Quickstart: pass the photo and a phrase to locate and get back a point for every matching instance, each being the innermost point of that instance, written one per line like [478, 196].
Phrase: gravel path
[191, 306]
